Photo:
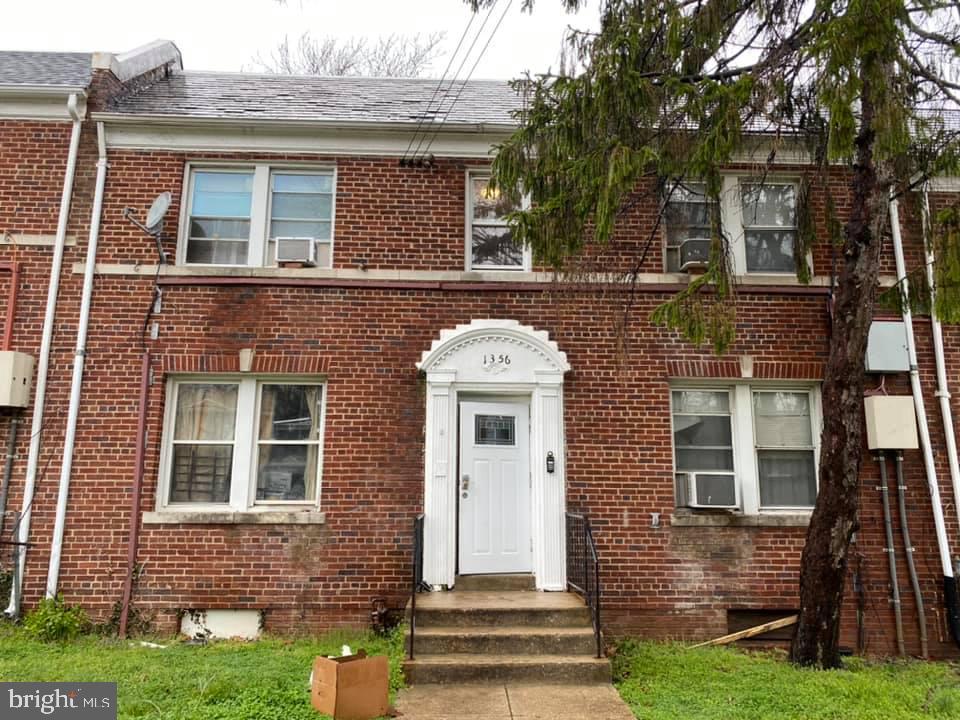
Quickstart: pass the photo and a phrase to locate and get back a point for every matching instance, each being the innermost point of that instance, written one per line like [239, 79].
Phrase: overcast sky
[226, 34]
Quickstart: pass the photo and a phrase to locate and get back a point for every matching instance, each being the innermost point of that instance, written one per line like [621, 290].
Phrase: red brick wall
[667, 581]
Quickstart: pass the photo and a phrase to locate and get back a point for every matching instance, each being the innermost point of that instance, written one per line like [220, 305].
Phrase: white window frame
[745, 465]
[527, 264]
[260, 204]
[243, 484]
[731, 213]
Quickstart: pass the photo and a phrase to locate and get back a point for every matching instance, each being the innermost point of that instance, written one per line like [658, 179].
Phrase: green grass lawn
[266, 680]
[669, 681]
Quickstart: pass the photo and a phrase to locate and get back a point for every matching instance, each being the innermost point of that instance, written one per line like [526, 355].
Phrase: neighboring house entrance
[494, 488]
[502, 382]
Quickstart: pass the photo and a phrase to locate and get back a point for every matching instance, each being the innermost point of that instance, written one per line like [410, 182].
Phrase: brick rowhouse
[398, 280]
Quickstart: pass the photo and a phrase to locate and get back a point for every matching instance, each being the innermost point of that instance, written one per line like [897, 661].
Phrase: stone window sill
[683, 518]
[233, 517]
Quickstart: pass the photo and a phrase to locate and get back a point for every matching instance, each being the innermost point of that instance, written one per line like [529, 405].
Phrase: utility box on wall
[887, 348]
[891, 422]
[16, 378]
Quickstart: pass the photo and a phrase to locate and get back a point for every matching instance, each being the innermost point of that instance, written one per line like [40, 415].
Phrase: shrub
[54, 621]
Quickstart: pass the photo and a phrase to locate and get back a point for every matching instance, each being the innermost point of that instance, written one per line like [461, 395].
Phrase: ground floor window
[241, 442]
[745, 447]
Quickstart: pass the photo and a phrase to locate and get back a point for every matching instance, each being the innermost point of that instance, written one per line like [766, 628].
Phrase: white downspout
[56, 544]
[943, 387]
[932, 485]
[43, 364]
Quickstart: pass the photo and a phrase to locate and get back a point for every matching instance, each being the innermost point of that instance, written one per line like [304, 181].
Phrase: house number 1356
[493, 359]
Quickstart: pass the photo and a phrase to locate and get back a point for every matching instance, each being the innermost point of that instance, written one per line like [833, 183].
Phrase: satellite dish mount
[153, 226]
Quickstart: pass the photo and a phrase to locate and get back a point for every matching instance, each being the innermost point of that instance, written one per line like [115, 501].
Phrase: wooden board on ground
[750, 632]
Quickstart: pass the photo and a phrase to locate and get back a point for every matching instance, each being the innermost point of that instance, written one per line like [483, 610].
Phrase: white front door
[494, 488]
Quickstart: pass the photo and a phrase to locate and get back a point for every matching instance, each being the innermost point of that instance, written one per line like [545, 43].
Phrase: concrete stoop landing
[501, 630]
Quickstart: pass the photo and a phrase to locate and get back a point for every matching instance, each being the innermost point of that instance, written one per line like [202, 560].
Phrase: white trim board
[317, 139]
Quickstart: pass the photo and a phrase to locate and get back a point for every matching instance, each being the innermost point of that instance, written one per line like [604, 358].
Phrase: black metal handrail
[583, 568]
[417, 575]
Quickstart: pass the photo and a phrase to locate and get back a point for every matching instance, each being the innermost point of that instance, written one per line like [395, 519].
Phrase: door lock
[465, 485]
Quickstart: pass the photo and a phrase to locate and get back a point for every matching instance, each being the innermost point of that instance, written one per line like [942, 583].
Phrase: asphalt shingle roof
[308, 98]
[54, 69]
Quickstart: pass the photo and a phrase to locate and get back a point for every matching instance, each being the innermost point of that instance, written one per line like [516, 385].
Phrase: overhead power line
[469, 75]
[434, 116]
[436, 90]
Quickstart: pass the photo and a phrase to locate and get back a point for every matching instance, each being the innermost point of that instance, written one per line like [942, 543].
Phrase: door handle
[465, 485]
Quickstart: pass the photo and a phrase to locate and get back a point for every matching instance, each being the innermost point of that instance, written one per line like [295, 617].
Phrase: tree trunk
[823, 566]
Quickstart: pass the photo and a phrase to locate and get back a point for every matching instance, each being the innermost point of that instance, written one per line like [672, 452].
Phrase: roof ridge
[347, 78]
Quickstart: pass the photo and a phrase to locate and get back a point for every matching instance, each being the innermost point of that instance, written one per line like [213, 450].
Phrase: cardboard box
[353, 687]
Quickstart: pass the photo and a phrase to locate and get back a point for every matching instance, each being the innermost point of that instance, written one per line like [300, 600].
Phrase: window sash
[310, 484]
[766, 450]
[684, 196]
[759, 230]
[191, 239]
[220, 483]
[488, 223]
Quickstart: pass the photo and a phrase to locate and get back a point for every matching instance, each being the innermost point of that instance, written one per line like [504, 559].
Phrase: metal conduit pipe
[7, 344]
[8, 467]
[908, 550]
[950, 597]
[943, 387]
[889, 550]
[43, 363]
[134, 536]
[76, 383]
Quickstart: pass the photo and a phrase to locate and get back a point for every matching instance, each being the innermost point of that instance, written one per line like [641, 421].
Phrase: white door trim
[496, 357]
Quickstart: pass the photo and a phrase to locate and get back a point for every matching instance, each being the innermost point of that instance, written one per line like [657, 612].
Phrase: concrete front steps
[496, 628]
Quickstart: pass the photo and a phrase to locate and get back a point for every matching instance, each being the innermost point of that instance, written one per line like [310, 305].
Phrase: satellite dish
[157, 212]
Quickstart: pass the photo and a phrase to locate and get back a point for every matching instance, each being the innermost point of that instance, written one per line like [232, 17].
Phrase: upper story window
[240, 442]
[747, 448]
[760, 219]
[769, 213]
[489, 242]
[236, 214]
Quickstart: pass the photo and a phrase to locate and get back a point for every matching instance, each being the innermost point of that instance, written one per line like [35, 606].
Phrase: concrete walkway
[511, 702]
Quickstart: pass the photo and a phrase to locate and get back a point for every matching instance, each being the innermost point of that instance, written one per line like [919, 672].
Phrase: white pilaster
[440, 486]
[549, 489]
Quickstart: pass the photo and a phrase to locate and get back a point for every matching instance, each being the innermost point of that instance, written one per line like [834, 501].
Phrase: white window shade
[782, 419]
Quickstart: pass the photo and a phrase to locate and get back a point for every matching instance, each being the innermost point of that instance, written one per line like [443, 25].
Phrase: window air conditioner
[711, 490]
[694, 253]
[297, 250]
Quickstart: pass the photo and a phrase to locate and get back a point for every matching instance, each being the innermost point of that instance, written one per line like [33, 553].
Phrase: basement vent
[225, 624]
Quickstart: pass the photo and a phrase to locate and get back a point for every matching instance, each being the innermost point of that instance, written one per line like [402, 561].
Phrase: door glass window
[495, 430]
